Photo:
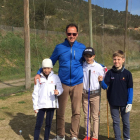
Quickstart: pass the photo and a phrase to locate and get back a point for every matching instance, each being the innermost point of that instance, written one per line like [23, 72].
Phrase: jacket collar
[118, 71]
[41, 74]
[68, 44]
[85, 64]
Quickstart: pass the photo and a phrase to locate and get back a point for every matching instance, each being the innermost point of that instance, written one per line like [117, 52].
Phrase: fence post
[27, 45]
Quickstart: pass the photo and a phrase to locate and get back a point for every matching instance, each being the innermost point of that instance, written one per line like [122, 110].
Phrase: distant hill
[55, 14]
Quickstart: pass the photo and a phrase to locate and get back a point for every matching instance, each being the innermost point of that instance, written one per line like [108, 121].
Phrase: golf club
[88, 103]
[99, 108]
[107, 116]
[56, 110]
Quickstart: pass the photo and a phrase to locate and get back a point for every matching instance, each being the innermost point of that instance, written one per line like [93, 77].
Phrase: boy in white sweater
[94, 97]
[44, 98]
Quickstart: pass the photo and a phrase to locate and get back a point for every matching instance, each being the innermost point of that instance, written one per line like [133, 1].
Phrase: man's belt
[91, 92]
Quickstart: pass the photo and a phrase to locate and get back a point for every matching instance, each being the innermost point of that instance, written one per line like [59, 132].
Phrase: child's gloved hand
[128, 108]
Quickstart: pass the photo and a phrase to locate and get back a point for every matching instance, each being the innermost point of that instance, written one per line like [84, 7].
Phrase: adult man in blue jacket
[69, 53]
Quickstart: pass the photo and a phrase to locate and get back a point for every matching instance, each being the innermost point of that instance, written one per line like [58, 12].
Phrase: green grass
[41, 46]
[22, 102]
[8, 91]
[1, 119]
[17, 91]
[4, 108]
[133, 69]
[12, 54]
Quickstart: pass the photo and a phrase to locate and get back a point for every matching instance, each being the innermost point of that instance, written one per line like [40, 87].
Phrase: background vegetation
[53, 15]
[42, 45]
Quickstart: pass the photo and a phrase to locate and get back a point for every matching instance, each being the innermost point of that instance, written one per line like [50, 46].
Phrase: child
[96, 70]
[119, 94]
[44, 98]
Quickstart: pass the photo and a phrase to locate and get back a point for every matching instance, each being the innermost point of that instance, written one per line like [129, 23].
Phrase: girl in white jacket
[44, 98]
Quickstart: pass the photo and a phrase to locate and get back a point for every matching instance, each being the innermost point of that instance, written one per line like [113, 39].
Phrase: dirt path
[13, 83]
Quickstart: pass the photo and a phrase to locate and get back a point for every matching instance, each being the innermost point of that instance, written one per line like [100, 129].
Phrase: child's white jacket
[96, 70]
[43, 95]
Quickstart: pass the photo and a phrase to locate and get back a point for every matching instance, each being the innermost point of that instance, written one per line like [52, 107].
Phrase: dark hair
[71, 25]
[119, 53]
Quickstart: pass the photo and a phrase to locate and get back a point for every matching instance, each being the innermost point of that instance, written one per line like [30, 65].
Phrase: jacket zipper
[74, 54]
[70, 65]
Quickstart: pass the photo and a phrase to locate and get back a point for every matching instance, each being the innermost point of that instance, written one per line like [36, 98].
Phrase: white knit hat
[47, 63]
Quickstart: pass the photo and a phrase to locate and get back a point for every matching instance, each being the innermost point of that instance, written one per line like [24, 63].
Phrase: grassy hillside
[42, 46]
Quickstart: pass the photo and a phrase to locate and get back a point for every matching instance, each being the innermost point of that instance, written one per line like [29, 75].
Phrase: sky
[120, 5]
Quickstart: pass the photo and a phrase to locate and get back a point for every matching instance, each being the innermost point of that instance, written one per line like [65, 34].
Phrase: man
[69, 53]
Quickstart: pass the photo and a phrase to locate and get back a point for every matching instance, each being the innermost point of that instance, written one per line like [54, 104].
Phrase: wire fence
[32, 31]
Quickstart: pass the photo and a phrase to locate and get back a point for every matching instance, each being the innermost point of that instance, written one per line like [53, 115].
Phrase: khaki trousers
[75, 93]
[93, 112]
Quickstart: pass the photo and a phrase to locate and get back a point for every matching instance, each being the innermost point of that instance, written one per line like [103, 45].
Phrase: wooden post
[27, 45]
[125, 34]
[90, 25]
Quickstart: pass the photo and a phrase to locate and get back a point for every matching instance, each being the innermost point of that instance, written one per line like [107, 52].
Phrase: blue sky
[133, 5]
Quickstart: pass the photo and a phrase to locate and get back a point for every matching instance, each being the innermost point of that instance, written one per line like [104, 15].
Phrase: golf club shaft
[88, 103]
[99, 108]
[56, 110]
[107, 116]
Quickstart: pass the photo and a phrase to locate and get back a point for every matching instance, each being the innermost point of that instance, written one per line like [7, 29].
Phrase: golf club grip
[89, 77]
[55, 98]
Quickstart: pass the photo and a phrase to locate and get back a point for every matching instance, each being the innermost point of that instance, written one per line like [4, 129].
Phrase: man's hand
[100, 78]
[35, 78]
[128, 108]
[56, 92]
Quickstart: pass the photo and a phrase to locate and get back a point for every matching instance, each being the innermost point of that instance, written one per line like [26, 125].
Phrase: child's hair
[119, 53]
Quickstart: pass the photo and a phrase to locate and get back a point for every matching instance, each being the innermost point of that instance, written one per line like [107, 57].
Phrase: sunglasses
[69, 34]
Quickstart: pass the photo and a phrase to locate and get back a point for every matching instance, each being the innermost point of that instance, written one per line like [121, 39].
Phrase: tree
[14, 13]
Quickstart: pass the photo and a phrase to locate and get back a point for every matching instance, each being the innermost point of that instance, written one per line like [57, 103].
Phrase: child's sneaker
[93, 139]
[58, 138]
[74, 138]
[86, 138]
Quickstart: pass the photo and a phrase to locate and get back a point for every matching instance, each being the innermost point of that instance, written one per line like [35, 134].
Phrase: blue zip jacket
[120, 87]
[70, 62]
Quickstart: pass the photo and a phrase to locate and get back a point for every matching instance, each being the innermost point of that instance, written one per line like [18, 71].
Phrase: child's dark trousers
[115, 113]
[39, 122]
